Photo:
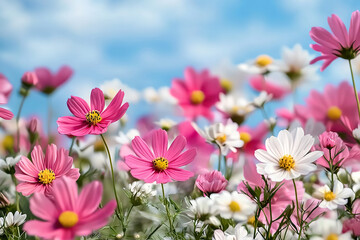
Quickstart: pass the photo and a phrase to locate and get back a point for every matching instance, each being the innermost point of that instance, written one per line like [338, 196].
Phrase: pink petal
[27, 188]
[159, 142]
[65, 193]
[37, 156]
[142, 149]
[64, 73]
[50, 156]
[88, 202]
[135, 162]
[42, 207]
[6, 114]
[97, 100]
[338, 28]
[179, 174]
[42, 229]
[115, 111]
[183, 159]
[44, 78]
[323, 37]
[176, 147]
[73, 126]
[78, 107]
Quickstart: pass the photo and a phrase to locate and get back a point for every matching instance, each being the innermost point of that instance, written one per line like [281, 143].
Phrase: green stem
[355, 91]
[17, 120]
[72, 145]
[219, 160]
[271, 220]
[126, 222]
[297, 210]
[119, 206]
[17, 197]
[167, 208]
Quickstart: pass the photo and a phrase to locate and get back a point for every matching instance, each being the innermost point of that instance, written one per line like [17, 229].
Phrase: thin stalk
[126, 222]
[355, 91]
[119, 206]
[297, 209]
[72, 145]
[167, 208]
[17, 120]
[17, 197]
[219, 160]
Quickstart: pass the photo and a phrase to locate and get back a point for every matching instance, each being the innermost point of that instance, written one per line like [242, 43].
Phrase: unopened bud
[33, 125]
[29, 79]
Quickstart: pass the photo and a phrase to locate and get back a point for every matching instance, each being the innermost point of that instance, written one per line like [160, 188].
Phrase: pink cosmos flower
[6, 114]
[197, 93]
[259, 83]
[48, 82]
[39, 174]
[29, 79]
[211, 182]
[332, 145]
[353, 224]
[68, 214]
[158, 163]
[341, 43]
[5, 89]
[330, 106]
[93, 119]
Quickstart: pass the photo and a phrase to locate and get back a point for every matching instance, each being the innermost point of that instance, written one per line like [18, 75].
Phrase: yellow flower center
[221, 138]
[334, 113]
[234, 206]
[245, 137]
[93, 117]
[160, 163]
[197, 97]
[287, 162]
[263, 60]
[251, 220]
[46, 176]
[332, 236]
[8, 143]
[226, 85]
[329, 196]
[68, 219]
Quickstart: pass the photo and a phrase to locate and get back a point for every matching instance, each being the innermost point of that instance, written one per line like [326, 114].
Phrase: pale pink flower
[39, 174]
[211, 182]
[68, 214]
[341, 43]
[330, 106]
[94, 119]
[259, 83]
[197, 93]
[353, 224]
[158, 162]
[48, 81]
[5, 89]
[29, 79]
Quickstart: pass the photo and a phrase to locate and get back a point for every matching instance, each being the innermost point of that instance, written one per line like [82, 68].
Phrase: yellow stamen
[226, 85]
[263, 60]
[160, 163]
[68, 219]
[46, 176]
[197, 97]
[245, 137]
[329, 196]
[287, 162]
[93, 117]
[221, 138]
[334, 113]
[332, 236]
[234, 206]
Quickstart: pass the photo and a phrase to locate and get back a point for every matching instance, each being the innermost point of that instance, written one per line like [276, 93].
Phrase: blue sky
[148, 43]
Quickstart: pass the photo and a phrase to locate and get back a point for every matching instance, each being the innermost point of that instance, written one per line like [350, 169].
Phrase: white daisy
[14, 219]
[295, 64]
[263, 98]
[233, 205]
[141, 192]
[287, 156]
[355, 176]
[225, 136]
[123, 138]
[236, 108]
[239, 233]
[331, 199]
[8, 164]
[261, 65]
[161, 95]
[327, 229]
[356, 133]
[202, 208]
[166, 123]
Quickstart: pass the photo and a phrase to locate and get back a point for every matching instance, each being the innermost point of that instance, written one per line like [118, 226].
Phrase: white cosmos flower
[287, 156]
[8, 163]
[225, 136]
[161, 95]
[123, 138]
[331, 199]
[327, 229]
[202, 208]
[263, 98]
[111, 88]
[295, 64]
[355, 176]
[233, 106]
[165, 123]
[260, 65]
[239, 233]
[14, 219]
[233, 205]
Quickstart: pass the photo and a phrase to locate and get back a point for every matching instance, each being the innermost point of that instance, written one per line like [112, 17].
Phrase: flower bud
[29, 79]
[328, 139]
[33, 125]
[211, 182]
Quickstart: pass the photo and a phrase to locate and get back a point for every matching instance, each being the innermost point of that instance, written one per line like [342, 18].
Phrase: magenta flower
[93, 119]
[341, 43]
[48, 82]
[68, 214]
[159, 163]
[211, 182]
[197, 93]
[39, 174]
[5, 89]
[259, 83]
